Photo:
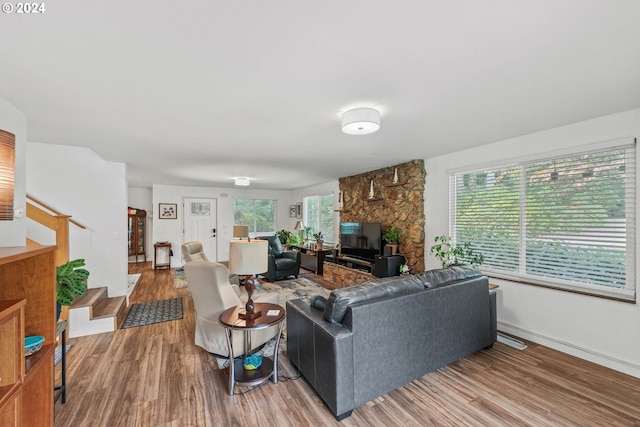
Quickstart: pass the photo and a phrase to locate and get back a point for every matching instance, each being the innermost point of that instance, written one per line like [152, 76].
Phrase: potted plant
[451, 254]
[318, 236]
[71, 280]
[294, 240]
[306, 233]
[391, 237]
[284, 236]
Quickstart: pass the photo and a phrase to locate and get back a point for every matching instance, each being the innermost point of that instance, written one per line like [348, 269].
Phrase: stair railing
[55, 221]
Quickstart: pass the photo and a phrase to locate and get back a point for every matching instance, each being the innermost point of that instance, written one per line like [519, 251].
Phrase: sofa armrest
[323, 353]
[493, 310]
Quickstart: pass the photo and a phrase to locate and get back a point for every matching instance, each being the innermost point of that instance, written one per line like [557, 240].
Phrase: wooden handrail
[49, 208]
[59, 224]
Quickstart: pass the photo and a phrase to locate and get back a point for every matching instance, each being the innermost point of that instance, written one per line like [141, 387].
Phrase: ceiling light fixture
[242, 181]
[360, 121]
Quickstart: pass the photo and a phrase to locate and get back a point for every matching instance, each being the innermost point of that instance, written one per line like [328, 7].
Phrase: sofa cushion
[445, 276]
[387, 287]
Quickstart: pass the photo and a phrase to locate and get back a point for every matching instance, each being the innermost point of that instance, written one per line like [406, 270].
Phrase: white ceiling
[199, 92]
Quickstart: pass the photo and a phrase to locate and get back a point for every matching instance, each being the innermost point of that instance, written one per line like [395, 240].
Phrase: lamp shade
[241, 231]
[246, 258]
[360, 121]
[298, 225]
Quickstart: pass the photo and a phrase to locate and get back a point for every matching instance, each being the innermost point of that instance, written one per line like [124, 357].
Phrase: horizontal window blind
[566, 221]
[7, 174]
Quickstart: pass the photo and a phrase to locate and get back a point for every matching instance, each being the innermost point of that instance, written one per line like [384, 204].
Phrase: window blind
[566, 222]
[7, 174]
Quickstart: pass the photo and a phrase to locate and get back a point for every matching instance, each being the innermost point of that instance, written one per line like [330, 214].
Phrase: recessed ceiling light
[242, 181]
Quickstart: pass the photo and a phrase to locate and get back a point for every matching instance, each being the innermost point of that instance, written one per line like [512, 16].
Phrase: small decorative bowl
[32, 344]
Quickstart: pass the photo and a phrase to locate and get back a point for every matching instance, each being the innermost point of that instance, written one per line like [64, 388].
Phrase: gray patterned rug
[147, 313]
[291, 289]
[287, 290]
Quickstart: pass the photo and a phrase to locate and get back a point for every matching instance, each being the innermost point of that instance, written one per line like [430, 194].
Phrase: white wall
[171, 230]
[14, 233]
[75, 181]
[606, 332]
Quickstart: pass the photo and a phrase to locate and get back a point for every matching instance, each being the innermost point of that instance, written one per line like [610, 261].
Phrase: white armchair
[192, 251]
[212, 294]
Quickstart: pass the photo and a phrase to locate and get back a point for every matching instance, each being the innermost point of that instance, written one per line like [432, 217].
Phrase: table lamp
[240, 231]
[248, 258]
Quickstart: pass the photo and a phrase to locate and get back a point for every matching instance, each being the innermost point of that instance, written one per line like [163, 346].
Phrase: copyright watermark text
[24, 8]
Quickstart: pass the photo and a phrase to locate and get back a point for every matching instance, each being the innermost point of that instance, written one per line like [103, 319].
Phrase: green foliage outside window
[258, 214]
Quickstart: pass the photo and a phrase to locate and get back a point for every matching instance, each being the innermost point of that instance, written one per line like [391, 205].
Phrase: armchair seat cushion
[281, 263]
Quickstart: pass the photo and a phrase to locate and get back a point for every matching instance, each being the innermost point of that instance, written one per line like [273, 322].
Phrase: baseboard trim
[614, 363]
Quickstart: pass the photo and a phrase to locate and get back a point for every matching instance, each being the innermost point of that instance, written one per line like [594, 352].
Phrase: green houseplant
[319, 239]
[452, 254]
[391, 237]
[284, 236]
[71, 280]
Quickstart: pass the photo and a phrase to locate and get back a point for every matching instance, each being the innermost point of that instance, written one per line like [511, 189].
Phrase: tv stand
[355, 263]
[383, 266]
[310, 258]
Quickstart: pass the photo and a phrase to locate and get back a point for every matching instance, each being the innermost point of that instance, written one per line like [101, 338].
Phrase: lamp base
[249, 316]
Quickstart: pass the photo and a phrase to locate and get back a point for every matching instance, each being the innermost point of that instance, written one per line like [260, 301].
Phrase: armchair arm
[293, 255]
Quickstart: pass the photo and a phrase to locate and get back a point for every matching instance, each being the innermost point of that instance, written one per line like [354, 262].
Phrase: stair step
[90, 298]
[108, 307]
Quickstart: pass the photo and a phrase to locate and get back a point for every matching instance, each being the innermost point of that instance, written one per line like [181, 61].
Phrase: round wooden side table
[272, 315]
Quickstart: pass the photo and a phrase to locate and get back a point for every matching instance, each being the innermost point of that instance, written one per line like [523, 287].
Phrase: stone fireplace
[399, 204]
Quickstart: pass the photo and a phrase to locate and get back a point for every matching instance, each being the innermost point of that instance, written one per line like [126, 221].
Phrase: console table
[312, 259]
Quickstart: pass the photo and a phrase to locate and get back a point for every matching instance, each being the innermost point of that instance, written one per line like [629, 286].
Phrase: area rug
[147, 313]
[291, 289]
[179, 279]
[287, 290]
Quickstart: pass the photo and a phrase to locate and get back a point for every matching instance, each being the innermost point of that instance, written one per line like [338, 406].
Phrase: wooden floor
[154, 376]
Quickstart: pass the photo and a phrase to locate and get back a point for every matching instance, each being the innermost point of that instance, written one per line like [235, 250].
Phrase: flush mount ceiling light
[242, 181]
[360, 121]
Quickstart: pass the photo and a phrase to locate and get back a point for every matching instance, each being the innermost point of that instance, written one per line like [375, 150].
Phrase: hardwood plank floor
[154, 376]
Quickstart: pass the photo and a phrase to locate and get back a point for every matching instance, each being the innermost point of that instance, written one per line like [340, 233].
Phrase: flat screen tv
[361, 240]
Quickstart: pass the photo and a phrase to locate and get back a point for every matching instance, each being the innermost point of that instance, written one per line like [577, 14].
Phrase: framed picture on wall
[299, 210]
[167, 210]
[292, 211]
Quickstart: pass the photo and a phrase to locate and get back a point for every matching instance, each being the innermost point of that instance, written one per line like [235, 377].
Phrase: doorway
[200, 224]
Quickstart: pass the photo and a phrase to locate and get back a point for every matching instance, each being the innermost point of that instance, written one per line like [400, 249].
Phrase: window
[258, 214]
[318, 214]
[566, 222]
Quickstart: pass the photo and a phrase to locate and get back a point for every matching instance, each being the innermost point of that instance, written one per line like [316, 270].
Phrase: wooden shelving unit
[136, 231]
[27, 307]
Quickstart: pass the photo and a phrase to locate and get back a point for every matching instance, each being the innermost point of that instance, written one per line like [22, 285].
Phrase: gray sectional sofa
[374, 337]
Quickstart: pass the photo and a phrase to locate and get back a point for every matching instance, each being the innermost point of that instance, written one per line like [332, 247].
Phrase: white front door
[200, 221]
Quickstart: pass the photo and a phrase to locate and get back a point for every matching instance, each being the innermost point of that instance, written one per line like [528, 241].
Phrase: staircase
[95, 312]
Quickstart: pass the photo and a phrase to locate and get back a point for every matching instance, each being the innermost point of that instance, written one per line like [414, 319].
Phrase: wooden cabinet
[27, 307]
[136, 233]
